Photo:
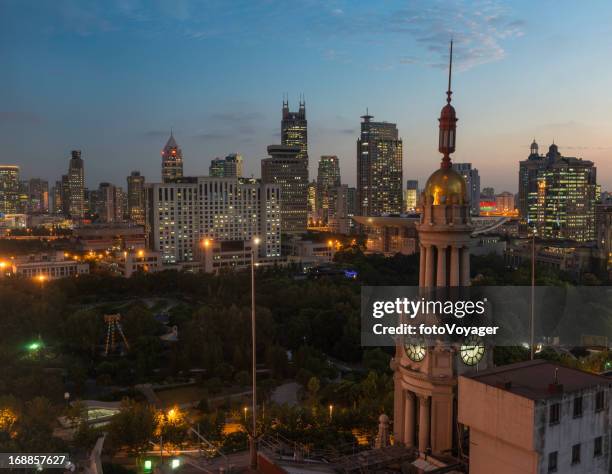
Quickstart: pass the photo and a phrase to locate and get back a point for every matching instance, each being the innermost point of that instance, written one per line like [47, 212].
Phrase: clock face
[416, 352]
[472, 350]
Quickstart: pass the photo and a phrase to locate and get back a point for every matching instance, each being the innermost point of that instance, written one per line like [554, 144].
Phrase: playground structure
[113, 325]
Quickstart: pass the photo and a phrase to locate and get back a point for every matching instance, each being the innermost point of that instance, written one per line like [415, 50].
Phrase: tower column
[398, 409]
[441, 272]
[422, 262]
[454, 269]
[409, 419]
[423, 423]
[429, 267]
[465, 266]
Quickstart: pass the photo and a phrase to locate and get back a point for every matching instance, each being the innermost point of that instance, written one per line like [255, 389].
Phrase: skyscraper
[110, 203]
[57, 198]
[472, 180]
[313, 216]
[557, 195]
[411, 199]
[379, 168]
[65, 189]
[172, 160]
[285, 168]
[9, 188]
[136, 197]
[228, 167]
[328, 178]
[38, 193]
[294, 128]
[76, 186]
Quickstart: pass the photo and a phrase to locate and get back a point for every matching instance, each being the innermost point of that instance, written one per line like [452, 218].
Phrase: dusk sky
[112, 77]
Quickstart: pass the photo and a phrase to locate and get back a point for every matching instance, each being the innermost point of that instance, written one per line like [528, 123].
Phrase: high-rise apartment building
[57, 206]
[411, 198]
[228, 167]
[136, 198]
[183, 214]
[557, 196]
[294, 129]
[313, 217]
[328, 179]
[289, 171]
[172, 160]
[504, 202]
[472, 181]
[9, 188]
[379, 168]
[111, 202]
[65, 189]
[38, 196]
[76, 186]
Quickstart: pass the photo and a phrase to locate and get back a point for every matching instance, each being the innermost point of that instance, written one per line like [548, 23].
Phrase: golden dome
[443, 185]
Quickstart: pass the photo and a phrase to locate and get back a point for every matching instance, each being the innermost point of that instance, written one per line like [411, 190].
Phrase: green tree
[133, 427]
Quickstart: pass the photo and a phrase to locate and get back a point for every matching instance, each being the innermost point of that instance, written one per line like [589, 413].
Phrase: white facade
[184, 213]
[48, 267]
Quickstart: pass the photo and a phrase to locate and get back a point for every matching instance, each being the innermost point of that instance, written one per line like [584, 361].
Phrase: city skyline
[113, 81]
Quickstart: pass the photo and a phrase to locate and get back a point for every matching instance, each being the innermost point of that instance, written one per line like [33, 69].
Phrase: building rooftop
[536, 379]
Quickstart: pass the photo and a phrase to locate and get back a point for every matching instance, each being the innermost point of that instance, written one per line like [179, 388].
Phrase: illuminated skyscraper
[38, 195]
[172, 160]
[110, 203]
[136, 197]
[57, 194]
[294, 128]
[411, 200]
[228, 167]
[379, 168]
[328, 179]
[557, 196]
[285, 168]
[76, 186]
[313, 216]
[9, 188]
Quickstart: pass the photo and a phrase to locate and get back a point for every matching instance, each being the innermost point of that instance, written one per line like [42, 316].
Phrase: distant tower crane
[113, 324]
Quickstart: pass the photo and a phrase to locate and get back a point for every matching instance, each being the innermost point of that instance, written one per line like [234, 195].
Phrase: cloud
[477, 29]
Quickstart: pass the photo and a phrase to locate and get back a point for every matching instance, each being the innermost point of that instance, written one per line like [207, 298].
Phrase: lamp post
[532, 334]
[253, 446]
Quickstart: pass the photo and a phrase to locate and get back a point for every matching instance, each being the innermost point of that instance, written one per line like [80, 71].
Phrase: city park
[162, 364]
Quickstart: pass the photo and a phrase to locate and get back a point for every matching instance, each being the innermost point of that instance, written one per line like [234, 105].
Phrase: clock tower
[425, 373]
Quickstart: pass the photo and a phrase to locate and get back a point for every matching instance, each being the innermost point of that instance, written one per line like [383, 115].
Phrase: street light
[253, 444]
[331, 411]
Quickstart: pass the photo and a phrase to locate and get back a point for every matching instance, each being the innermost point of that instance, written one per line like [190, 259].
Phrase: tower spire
[448, 120]
[449, 92]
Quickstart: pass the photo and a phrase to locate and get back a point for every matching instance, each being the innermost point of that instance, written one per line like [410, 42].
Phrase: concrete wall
[501, 429]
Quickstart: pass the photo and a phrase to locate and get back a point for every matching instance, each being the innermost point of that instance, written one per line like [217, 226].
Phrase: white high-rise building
[183, 214]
